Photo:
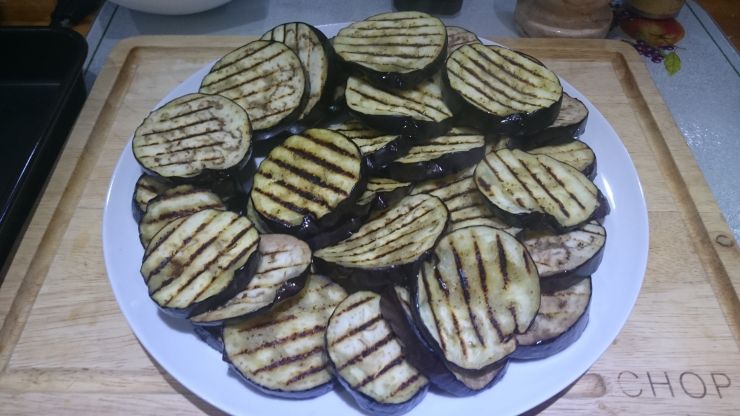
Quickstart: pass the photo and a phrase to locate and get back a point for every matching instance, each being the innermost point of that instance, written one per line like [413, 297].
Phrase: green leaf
[672, 63]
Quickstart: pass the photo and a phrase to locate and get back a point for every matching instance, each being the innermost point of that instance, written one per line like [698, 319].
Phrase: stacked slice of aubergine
[396, 210]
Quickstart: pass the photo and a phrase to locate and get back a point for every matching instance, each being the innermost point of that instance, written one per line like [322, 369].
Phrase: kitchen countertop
[703, 97]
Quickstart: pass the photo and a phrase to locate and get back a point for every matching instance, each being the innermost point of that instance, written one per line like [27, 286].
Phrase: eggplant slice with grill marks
[147, 188]
[562, 259]
[458, 36]
[466, 204]
[266, 78]
[572, 152]
[397, 310]
[306, 184]
[377, 149]
[420, 112]
[562, 318]
[393, 50]
[479, 290]
[282, 353]
[500, 90]
[368, 358]
[174, 203]
[317, 56]
[281, 273]
[570, 123]
[194, 138]
[439, 156]
[199, 261]
[538, 192]
[381, 193]
[389, 248]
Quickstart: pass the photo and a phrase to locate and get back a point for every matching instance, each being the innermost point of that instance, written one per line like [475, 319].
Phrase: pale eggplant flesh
[438, 156]
[176, 202]
[499, 90]
[282, 353]
[264, 77]
[478, 291]
[194, 138]
[569, 124]
[563, 259]
[562, 318]
[281, 273]
[199, 261]
[389, 248]
[381, 193]
[147, 188]
[393, 50]
[307, 183]
[369, 360]
[571, 152]
[397, 310]
[458, 36]
[420, 112]
[377, 148]
[538, 192]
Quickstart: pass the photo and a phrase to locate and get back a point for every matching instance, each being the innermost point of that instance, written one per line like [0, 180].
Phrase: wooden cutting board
[65, 348]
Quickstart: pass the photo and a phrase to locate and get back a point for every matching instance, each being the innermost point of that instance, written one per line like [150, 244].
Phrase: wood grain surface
[65, 347]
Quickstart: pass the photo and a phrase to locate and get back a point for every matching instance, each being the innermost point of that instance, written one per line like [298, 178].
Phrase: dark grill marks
[182, 244]
[305, 195]
[455, 322]
[322, 162]
[285, 204]
[316, 329]
[311, 371]
[502, 261]
[510, 73]
[180, 127]
[517, 64]
[480, 91]
[377, 101]
[492, 87]
[240, 70]
[188, 113]
[353, 306]
[367, 380]
[483, 275]
[544, 188]
[184, 149]
[354, 331]
[466, 292]
[307, 176]
[367, 351]
[503, 162]
[562, 185]
[231, 87]
[219, 66]
[390, 221]
[268, 323]
[406, 383]
[331, 146]
[425, 282]
[289, 360]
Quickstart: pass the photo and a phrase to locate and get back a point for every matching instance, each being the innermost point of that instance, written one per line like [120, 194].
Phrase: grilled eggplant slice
[562, 317]
[211, 335]
[537, 191]
[393, 50]
[562, 259]
[500, 90]
[478, 290]
[266, 78]
[458, 36]
[173, 203]
[282, 273]
[570, 123]
[306, 184]
[317, 56]
[198, 261]
[420, 112]
[282, 353]
[437, 157]
[466, 204]
[389, 248]
[147, 188]
[368, 358]
[377, 149]
[572, 152]
[194, 137]
[381, 193]
[397, 311]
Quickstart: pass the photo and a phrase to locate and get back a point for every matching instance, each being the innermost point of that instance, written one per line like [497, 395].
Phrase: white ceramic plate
[199, 368]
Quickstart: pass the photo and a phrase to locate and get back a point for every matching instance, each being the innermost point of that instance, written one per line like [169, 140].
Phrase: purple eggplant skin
[568, 278]
[419, 353]
[282, 394]
[288, 289]
[517, 124]
[241, 277]
[395, 80]
[136, 210]
[523, 143]
[433, 169]
[370, 406]
[211, 335]
[340, 232]
[420, 130]
[375, 280]
[541, 221]
[310, 226]
[377, 161]
[547, 348]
